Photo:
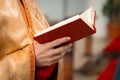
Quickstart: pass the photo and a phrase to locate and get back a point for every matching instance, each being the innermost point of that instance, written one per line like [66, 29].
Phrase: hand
[47, 55]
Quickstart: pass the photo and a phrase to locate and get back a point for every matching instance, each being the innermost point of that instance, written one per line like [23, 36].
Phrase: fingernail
[69, 38]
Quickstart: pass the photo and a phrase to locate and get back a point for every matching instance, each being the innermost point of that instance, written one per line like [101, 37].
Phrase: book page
[88, 16]
[59, 24]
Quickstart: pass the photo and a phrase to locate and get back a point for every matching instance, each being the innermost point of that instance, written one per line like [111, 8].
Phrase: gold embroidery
[28, 21]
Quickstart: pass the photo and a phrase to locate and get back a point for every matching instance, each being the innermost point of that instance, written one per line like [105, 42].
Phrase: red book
[76, 27]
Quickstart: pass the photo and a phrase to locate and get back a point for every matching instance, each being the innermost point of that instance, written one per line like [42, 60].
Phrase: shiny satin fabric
[18, 23]
[14, 43]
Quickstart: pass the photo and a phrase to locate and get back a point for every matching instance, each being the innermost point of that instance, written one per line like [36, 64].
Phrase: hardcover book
[76, 27]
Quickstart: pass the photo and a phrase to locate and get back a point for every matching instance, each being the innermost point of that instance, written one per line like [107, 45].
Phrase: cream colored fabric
[18, 23]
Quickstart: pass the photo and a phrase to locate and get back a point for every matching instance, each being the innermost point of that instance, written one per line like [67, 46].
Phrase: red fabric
[108, 73]
[114, 46]
[45, 72]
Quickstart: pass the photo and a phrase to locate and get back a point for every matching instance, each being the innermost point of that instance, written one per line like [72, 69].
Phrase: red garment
[108, 73]
[44, 73]
[114, 46]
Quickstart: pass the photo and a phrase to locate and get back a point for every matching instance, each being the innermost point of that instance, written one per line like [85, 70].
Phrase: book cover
[76, 27]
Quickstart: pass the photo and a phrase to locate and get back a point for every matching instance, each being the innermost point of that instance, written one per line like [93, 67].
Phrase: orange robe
[19, 21]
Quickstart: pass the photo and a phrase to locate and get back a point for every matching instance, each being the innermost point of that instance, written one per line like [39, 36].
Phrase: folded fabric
[44, 73]
[114, 46]
[108, 73]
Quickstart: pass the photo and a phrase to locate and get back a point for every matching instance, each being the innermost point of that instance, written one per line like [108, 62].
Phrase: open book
[76, 27]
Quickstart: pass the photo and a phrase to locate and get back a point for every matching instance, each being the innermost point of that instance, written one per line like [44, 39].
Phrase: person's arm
[47, 55]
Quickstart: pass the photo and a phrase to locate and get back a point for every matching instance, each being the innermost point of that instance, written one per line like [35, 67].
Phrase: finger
[58, 51]
[39, 48]
[57, 58]
[49, 60]
[44, 62]
[58, 42]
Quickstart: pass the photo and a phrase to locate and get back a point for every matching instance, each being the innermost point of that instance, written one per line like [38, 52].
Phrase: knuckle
[57, 42]
[49, 64]
[61, 40]
[51, 53]
[63, 49]
[63, 54]
[50, 60]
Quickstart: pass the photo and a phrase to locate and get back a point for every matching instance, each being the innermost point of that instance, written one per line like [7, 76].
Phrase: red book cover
[76, 27]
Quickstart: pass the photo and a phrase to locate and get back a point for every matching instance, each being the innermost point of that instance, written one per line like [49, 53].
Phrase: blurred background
[94, 57]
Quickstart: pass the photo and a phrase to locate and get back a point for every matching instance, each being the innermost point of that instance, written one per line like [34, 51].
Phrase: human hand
[47, 55]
